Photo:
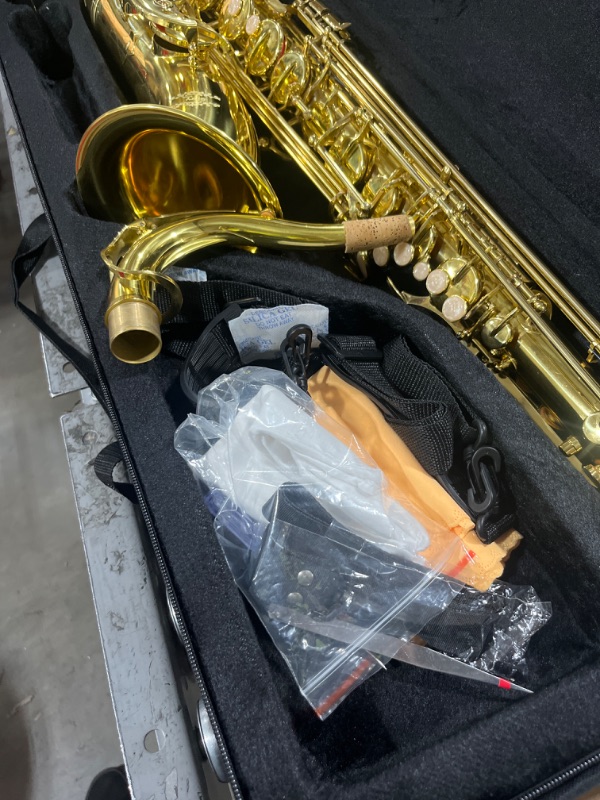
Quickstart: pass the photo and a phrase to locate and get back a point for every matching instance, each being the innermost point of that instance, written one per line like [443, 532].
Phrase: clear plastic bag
[321, 550]
[255, 430]
[490, 630]
[306, 525]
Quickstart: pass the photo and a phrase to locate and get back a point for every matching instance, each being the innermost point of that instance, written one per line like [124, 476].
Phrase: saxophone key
[591, 427]
[437, 281]
[497, 332]
[593, 473]
[381, 256]
[233, 18]
[403, 254]
[289, 78]
[252, 24]
[571, 446]
[454, 308]
[421, 270]
[265, 48]
[456, 276]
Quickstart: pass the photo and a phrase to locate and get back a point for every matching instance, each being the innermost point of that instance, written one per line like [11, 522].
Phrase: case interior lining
[405, 733]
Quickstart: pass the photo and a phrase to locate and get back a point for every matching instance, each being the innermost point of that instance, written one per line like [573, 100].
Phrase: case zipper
[561, 778]
[185, 637]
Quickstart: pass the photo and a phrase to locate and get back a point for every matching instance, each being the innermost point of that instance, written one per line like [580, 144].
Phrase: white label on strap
[259, 332]
[186, 274]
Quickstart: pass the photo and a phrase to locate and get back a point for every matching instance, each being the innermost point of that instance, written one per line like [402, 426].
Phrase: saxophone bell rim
[119, 125]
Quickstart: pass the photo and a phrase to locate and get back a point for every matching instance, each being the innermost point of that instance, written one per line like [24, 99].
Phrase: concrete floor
[56, 723]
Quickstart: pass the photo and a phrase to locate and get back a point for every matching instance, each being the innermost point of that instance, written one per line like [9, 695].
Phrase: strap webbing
[412, 396]
[29, 257]
[438, 427]
[214, 353]
[104, 466]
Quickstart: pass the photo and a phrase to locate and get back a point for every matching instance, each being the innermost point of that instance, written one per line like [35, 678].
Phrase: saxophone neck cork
[367, 234]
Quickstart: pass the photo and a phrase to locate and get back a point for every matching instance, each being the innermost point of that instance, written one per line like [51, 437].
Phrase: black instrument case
[511, 92]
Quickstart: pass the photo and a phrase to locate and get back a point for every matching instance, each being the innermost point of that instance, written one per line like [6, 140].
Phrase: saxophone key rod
[560, 295]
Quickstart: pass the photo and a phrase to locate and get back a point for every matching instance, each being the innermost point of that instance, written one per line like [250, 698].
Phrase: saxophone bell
[148, 160]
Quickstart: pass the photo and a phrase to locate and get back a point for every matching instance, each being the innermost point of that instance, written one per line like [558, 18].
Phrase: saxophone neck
[156, 245]
[141, 253]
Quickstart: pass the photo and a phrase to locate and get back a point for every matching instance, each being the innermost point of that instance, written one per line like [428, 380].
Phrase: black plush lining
[485, 79]
[45, 36]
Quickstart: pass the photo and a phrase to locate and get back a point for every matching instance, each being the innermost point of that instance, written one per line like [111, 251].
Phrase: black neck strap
[213, 304]
[439, 427]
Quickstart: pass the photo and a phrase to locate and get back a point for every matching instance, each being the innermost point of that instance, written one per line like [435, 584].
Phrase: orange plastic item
[482, 564]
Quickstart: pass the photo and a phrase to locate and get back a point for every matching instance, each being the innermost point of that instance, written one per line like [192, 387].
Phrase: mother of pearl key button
[233, 8]
[252, 24]
[381, 256]
[403, 253]
[437, 281]
[421, 270]
[454, 308]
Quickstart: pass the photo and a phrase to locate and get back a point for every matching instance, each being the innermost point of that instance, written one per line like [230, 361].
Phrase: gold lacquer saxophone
[293, 68]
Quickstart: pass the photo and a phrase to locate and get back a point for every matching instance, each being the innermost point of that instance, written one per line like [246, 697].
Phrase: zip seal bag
[305, 523]
[309, 531]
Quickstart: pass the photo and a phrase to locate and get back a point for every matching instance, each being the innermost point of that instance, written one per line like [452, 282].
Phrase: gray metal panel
[161, 759]
[54, 301]
[53, 297]
[28, 201]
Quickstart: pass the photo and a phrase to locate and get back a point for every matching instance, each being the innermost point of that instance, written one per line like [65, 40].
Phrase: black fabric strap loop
[215, 353]
[104, 466]
[29, 256]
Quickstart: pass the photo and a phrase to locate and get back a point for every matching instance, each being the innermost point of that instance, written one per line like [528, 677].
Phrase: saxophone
[440, 244]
